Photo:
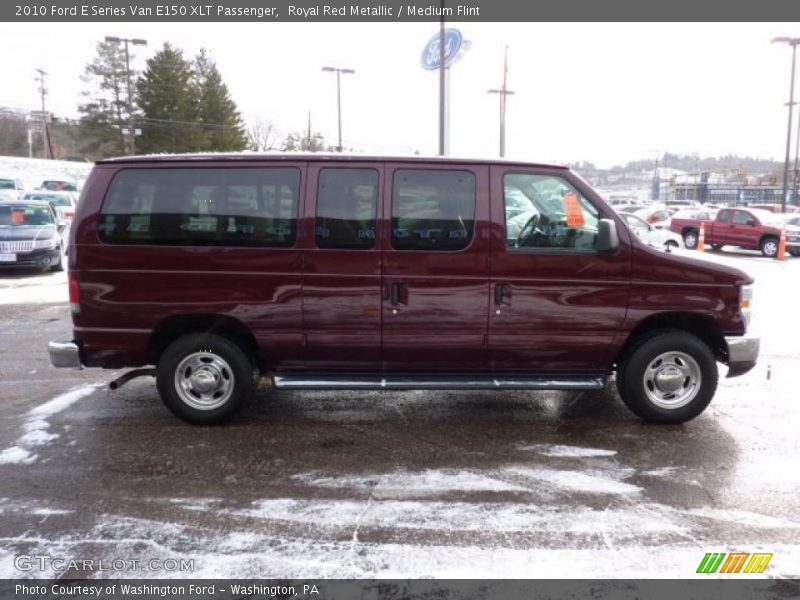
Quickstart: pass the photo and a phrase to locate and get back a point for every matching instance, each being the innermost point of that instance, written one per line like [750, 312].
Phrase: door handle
[500, 294]
[394, 293]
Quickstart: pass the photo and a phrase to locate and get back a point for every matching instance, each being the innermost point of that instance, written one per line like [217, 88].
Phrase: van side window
[212, 207]
[545, 211]
[347, 201]
[432, 209]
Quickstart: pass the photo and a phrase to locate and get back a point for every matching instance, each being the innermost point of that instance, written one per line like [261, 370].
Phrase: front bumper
[742, 353]
[64, 355]
[35, 258]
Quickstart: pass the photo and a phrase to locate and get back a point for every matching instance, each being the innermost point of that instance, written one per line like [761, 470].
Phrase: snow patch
[16, 456]
[660, 472]
[502, 517]
[742, 517]
[590, 481]
[567, 451]
[36, 428]
[399, 484]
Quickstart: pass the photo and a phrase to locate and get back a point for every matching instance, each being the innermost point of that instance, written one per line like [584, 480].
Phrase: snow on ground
[29, 286]
[37, 427]
[32, 171]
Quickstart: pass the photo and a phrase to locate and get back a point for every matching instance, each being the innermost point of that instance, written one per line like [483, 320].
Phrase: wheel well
[704, 327]
[171, 328]
[767, 236]
[686, 230]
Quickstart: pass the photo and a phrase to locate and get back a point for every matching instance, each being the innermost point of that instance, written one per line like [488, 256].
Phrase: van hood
[684, 266]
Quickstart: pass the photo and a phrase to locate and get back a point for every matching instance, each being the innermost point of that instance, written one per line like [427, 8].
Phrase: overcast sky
[606, 93]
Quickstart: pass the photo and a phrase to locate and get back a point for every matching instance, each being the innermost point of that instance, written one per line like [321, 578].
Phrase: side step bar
[311, 381]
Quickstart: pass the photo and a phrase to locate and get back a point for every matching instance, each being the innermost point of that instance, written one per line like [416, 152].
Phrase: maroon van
[353, 272]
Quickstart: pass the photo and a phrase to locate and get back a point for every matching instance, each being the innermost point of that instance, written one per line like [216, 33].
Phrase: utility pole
[793, 42]
[47, 147]
[503, 93]
[796, 171]
[135, 42]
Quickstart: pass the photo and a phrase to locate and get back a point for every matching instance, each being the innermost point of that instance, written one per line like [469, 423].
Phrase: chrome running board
[313, 381]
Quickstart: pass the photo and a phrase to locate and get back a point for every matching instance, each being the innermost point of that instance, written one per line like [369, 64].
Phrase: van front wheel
[204, 379]
[667, 377]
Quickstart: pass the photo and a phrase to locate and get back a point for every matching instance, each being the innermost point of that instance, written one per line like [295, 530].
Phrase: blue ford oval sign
[452, 44]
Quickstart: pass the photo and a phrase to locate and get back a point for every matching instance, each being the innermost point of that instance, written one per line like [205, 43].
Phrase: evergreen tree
[170, 102]
[106, 109]
[224, 129]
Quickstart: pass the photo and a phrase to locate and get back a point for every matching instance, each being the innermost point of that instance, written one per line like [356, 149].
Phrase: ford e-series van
[354, 273]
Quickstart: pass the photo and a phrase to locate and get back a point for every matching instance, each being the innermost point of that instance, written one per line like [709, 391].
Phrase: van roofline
[317, 156]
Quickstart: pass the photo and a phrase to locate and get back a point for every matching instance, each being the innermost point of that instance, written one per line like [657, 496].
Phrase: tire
[205, 379]
[687, 370]
[769, 247]
[717, 247]
[690, 239]
[794, 252]
[62, 259]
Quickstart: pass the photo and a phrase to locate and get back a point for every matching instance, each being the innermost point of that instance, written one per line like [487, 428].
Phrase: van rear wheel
[204, 379]
[669, 376]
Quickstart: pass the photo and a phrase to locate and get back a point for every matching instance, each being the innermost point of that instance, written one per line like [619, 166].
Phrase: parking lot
[388, 484]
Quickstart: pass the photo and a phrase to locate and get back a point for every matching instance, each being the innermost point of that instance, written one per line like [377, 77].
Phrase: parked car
[631, 208]
[660, 238]
[348, 272]
[775, 207]
[657, 216]
[682, 203]
[66, 201]
[32, 234]
[10, 188]
[749, 228]
[59, 185]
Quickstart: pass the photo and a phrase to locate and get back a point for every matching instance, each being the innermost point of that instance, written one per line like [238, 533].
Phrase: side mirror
[61, 224]
[752, 223]
[607, 239]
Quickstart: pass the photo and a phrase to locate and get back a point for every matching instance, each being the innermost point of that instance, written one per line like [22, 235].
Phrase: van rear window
[202, 206]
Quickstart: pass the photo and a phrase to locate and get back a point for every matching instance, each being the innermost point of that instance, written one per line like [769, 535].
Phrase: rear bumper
[64, 355]
[742, 353]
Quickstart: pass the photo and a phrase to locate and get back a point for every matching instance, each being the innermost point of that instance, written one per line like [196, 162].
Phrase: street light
[136, 42]
[793, 42]
[339, 72]
[503, 92]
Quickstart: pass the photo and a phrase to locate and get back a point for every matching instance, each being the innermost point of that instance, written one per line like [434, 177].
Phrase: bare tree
[261, 135]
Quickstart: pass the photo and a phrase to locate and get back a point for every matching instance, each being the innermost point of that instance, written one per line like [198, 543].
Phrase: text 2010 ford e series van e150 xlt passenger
[352, 272]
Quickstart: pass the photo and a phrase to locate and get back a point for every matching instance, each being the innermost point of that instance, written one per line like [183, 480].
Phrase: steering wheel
[524, 232]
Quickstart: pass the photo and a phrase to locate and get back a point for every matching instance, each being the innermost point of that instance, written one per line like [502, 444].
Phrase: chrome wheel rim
[204, 380]
[672, 380]
[690, 240]
[770, 248]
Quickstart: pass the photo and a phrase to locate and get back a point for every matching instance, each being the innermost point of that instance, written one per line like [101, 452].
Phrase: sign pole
[442, 89]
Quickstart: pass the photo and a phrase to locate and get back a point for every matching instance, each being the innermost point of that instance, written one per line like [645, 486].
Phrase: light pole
[793, 42]
[503, 92]
[339, 72]
[135, 42]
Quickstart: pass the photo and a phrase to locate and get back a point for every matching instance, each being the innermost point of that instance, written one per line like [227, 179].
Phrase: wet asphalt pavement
[388, 484]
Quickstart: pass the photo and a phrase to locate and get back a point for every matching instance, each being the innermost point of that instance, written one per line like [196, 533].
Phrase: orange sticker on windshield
[18, 217]
[575, 218]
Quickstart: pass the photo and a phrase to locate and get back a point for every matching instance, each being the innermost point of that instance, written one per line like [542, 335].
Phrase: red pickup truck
[750, 228]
